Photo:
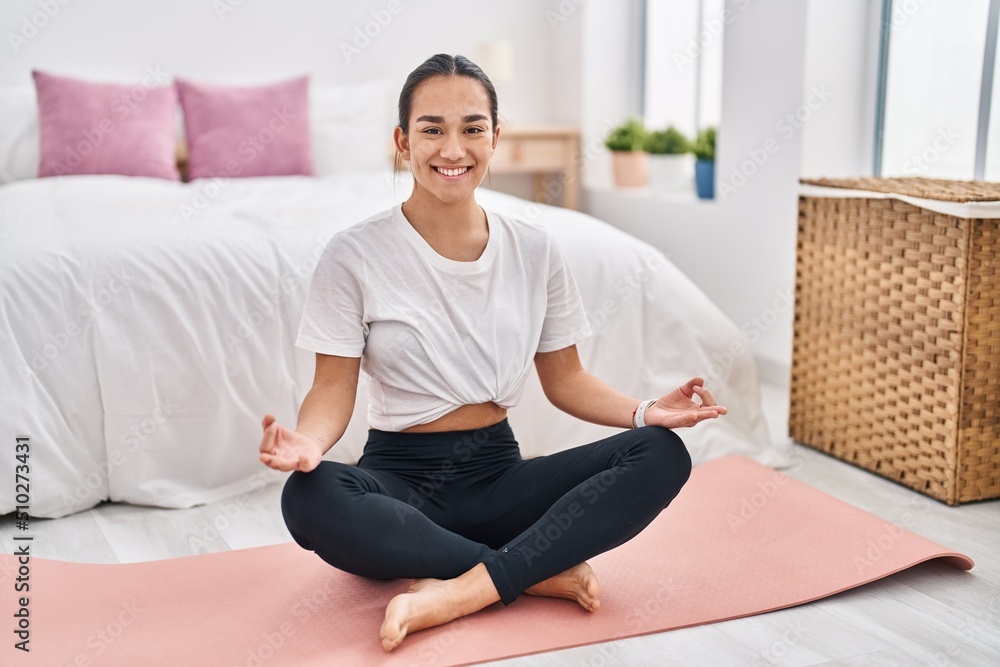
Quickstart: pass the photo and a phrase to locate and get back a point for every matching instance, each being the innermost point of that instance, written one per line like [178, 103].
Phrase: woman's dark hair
[443, 65]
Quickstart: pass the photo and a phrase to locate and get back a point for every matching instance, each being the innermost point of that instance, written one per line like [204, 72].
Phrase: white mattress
[146, 326]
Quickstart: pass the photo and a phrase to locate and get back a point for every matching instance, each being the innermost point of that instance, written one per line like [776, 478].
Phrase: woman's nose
[453, 148]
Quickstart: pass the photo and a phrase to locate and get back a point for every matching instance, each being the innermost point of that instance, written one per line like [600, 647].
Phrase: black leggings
[436, 504]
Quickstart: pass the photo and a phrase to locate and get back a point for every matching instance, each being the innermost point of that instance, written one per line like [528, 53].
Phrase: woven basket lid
[914, 186]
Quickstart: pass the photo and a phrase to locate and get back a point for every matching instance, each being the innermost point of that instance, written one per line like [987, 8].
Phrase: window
[683, 63]
[991, 158]
[937, 85]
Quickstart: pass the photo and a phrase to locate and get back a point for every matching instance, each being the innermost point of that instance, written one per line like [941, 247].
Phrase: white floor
[932, 614]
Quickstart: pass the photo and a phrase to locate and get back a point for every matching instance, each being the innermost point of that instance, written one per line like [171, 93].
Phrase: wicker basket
[896, 345]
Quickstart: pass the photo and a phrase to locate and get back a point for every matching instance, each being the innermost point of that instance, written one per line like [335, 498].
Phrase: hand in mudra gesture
[284, 449]
[678, 408]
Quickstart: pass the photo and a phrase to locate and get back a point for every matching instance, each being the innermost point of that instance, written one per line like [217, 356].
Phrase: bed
[147, 326]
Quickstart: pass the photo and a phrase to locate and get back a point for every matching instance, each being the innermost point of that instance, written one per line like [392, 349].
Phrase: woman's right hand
[284, 449]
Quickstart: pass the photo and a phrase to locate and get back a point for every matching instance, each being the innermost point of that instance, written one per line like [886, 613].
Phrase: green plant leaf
[704, 144]
[629, 136]
[670, 141]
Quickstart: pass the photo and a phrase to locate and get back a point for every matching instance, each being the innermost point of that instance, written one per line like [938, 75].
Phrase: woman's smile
[452, 173]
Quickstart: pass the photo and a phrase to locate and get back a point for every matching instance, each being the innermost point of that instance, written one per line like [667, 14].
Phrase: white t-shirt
[434, 334]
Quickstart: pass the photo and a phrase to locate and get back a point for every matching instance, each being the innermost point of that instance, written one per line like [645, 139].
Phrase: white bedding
[146, 326]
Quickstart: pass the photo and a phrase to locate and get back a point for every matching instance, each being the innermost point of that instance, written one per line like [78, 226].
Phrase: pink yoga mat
[740, 539]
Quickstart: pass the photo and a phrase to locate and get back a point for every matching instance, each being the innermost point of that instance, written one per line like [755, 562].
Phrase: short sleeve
[565, 320]
[333, 319]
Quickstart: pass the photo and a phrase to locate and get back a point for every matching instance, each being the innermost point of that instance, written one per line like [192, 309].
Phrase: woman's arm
[323, 417]
[576, 392]
[327, 408]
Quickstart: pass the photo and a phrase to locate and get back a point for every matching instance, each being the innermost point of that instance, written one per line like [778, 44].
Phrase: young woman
[445, 306]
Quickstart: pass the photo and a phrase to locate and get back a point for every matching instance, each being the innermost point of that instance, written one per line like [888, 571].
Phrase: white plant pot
[671, 173]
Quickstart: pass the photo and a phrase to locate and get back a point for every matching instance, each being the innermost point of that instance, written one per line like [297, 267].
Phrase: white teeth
[452, 172]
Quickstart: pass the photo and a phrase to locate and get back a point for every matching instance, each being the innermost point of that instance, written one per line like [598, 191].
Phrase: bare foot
[426, 603]
[431, 602]
[577, 583]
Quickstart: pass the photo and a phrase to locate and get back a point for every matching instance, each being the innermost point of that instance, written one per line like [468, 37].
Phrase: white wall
[259, 41]
[740, 250]
[842, 41]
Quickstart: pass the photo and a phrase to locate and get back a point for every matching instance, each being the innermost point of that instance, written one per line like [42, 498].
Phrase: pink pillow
[105, 128]
[247, 131]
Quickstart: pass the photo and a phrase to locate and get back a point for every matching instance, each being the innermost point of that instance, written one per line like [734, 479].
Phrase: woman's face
[451, 138]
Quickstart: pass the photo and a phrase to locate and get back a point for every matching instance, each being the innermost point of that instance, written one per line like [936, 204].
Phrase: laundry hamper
[896, 344]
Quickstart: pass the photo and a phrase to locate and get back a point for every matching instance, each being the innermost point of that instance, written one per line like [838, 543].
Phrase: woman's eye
[475, 130]
[432, 130]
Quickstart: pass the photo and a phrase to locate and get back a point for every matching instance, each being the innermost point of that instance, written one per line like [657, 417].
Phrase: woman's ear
[496, 137]
[402, 142]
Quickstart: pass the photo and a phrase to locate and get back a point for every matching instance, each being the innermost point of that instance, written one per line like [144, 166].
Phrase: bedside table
[542, 150]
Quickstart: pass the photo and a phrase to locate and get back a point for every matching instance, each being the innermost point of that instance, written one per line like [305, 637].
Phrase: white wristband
[640, 411]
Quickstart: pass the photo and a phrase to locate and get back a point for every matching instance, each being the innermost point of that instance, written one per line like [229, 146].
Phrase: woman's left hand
[677, 408]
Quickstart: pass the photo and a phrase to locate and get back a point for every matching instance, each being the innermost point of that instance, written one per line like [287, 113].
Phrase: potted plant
[704, 166]
[670, 161]
[629, 162]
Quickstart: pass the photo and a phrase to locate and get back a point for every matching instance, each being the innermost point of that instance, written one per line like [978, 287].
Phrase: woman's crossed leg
[529, 528]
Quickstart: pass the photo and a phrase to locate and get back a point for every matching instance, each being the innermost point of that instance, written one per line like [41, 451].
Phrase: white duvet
[146, 326]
